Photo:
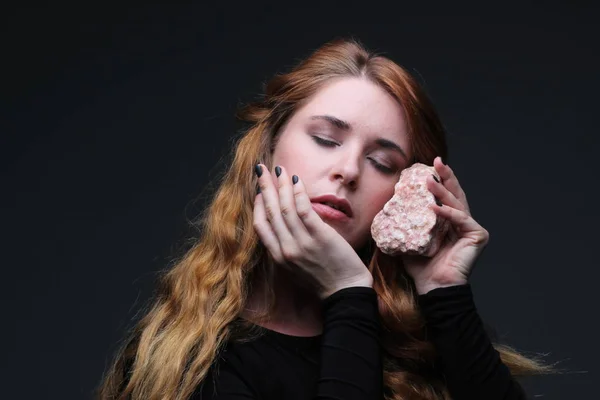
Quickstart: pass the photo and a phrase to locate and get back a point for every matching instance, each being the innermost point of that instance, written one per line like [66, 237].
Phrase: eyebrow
[345, 126]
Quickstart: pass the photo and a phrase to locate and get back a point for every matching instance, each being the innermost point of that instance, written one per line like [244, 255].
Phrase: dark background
[115, 120]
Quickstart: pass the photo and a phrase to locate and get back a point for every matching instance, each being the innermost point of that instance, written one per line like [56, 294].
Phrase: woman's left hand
[466, 239]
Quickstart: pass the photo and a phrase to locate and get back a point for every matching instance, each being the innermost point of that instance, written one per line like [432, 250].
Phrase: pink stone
[406, 224]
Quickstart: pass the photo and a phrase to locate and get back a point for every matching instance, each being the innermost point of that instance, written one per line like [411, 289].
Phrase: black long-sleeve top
[345, 361]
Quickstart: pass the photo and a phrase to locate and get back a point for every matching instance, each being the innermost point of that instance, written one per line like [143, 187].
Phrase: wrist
[363, 281]
[429, 286]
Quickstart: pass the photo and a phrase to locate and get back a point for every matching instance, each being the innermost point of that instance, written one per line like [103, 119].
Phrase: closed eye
[328, 143]
[321, 141]
[382, 168]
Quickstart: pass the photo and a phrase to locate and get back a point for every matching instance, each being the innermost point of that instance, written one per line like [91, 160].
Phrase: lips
[335, 203]
[328, 213]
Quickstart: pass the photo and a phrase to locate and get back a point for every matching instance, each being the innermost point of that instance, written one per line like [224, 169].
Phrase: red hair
[169, 352]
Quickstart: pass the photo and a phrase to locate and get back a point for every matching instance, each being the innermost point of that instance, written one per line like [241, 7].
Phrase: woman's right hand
[297, 237]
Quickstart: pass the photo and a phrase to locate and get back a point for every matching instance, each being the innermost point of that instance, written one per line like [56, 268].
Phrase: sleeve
[472, 367]
[351, 361]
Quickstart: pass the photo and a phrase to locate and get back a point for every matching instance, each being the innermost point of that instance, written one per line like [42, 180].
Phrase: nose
[346, 168]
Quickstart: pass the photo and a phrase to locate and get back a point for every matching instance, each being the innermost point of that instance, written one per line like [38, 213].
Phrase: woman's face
[349, 140]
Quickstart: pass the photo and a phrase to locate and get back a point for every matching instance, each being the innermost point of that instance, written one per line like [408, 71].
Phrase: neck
[298, 308]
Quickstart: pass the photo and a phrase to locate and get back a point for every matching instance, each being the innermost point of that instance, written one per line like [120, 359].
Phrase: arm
[472, 367]
[351, 361]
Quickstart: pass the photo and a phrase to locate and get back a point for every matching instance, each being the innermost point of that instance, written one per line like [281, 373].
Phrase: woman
[285, 295]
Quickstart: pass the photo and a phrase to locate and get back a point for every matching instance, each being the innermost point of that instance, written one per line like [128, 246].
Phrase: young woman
[285, 295]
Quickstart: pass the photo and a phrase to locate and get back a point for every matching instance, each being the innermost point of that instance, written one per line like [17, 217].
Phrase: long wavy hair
[167, 354]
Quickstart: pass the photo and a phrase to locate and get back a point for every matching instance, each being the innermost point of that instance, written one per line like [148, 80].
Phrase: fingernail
[294, 179]
[258, 190]
[435, 177]
[438, 202]
[277, 171]
[258, 170]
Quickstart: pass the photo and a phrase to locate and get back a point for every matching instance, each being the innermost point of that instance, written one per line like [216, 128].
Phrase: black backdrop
[114, 121]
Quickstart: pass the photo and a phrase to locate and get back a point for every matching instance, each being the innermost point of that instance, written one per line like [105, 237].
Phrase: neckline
[297, 342]
[294, 342]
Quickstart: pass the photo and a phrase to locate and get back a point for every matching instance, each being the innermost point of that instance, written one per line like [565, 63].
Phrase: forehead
[360, 102]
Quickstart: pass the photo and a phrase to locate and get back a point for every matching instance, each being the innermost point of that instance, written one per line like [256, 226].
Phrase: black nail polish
[294, 179]
[258, 170]
[277, 171]
[438, 202]
[436, 179]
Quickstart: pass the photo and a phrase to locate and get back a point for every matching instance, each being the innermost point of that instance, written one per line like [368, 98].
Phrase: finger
[307, 215]
[450, 181]
[265, 231]
[270, 196]
[442, 194]
[287, 204]
[466, 226]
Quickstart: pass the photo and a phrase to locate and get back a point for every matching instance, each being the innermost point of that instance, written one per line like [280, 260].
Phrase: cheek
[292, 154]
[377, 200]
[382, 192]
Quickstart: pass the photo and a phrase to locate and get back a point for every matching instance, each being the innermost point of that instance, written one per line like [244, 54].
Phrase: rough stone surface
[406, 224]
